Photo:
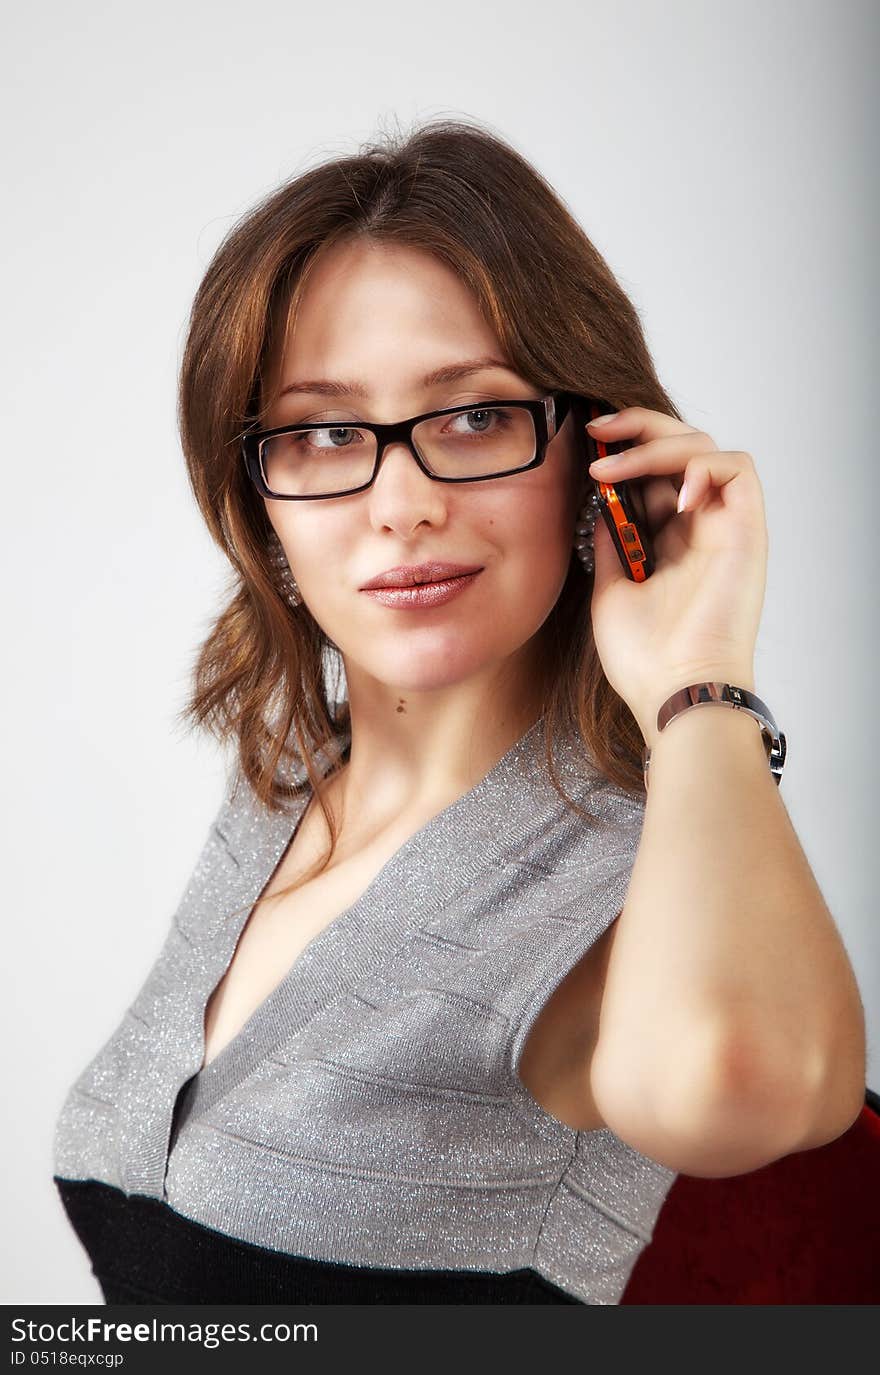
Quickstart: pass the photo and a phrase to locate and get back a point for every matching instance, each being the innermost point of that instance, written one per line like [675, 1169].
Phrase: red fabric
[804, 1229]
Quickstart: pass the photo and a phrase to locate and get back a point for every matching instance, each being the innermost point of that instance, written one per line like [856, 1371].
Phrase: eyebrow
[452, 372]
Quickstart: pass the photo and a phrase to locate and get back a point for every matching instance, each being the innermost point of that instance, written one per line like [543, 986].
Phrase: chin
[425, 667]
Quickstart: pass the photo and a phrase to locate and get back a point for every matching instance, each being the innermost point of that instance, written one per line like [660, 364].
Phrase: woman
[450, 999]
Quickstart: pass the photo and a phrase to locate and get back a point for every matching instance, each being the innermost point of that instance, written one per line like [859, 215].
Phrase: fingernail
[682, 497]
[604, 462]
[602, 419]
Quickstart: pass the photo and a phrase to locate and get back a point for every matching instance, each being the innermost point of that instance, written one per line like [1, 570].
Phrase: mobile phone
[621, 504]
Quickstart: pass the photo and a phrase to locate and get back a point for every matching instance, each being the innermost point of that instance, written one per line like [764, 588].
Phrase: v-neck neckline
[416, 880]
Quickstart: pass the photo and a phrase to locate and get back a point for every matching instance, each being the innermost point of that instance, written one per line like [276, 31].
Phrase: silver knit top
[369, 1111]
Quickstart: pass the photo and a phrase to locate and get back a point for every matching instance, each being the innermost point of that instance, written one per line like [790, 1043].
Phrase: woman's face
[384, 316]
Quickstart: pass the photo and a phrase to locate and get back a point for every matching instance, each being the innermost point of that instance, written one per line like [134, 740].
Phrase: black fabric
[142, 1251]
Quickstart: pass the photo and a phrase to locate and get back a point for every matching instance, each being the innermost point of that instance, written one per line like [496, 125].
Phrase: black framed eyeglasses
[474, 443]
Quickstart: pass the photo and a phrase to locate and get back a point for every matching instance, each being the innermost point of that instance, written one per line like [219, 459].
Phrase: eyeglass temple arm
[558, 404]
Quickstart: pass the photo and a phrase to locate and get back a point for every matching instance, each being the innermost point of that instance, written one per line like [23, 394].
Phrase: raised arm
[731, 1028]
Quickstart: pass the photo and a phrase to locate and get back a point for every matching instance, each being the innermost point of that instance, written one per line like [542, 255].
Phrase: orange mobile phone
[621, 503]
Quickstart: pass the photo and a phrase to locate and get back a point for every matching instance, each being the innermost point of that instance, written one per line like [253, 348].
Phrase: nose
[402, 495]
[399, 459]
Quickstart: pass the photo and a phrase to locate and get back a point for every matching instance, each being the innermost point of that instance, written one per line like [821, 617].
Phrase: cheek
[539, 526]
[313, 540]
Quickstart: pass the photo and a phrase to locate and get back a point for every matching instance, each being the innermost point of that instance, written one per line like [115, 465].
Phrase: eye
[478, 420]
[328, 437]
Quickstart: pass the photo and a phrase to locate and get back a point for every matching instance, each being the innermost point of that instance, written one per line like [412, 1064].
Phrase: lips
[416, 575]
[423, 596]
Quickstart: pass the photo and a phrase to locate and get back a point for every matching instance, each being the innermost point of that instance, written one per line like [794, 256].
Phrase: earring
[583, 537]
[281, 569]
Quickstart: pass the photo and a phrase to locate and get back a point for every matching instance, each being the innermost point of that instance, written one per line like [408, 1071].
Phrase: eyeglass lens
[327, 459]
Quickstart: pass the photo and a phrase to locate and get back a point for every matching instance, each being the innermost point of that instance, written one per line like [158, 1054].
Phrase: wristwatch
[725, 695]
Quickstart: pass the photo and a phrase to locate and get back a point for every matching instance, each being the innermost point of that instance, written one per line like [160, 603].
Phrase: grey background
[720, 157]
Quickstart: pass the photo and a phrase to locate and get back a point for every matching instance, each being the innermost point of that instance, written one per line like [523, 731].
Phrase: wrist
[712, 728]
[736, 699]
[646, 716]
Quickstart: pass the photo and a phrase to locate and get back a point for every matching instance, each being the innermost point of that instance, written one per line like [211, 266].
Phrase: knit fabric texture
[369, 1113]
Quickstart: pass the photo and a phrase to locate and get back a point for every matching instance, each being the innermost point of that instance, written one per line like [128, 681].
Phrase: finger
[657, 457]
[733, 475]
[660, 497]
[732, 472]
[640, 423]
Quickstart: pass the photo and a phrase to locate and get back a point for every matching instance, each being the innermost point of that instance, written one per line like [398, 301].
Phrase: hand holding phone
[621, 504]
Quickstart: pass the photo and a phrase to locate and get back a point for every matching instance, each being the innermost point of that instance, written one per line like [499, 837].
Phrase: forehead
[370, 310]
[364, 267]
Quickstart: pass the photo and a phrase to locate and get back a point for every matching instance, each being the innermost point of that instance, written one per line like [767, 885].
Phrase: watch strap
[725, 695]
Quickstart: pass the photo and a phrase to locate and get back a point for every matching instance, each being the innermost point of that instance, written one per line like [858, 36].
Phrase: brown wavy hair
[459, 191]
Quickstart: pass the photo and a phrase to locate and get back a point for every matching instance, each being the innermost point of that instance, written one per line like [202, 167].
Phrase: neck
[413, 752]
